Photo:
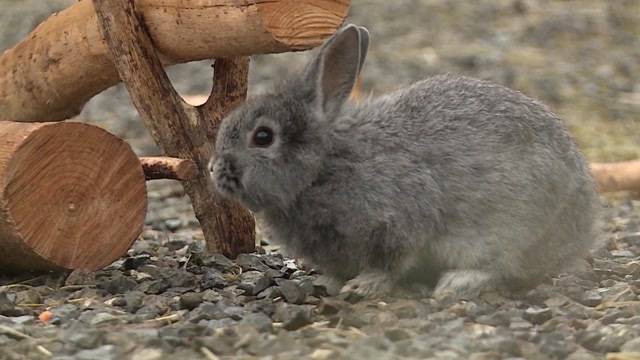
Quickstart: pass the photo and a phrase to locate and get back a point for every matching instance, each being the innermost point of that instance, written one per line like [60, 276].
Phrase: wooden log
[180, 129]
[618, 176]
[163, 167]
[72, 196]
[65, 61]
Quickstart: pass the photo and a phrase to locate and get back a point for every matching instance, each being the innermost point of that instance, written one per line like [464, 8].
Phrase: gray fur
[450, 178]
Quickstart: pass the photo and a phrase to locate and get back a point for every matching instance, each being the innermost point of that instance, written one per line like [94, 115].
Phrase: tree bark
[162, 167]
[72, 196]
[65, 61]
[181, 130]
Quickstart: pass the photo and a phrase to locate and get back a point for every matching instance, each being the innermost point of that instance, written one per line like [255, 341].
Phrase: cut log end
[291, 24]
[74, 197]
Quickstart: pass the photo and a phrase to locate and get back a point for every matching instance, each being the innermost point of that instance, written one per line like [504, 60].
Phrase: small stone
[147, 354]
[536, 315]
[173, 224]
[622, 253]
[182, 279]
[206, 311]
[105, 352]
[251, 262]
[485, 355]
[613, 315]
[274, 261]
[588, 338]
[291, 291]
[385, 319]
[631, 346]
[8, 308]
[213, 279]
[24, 320]
[190, 300]
[404, 309]
[134, 262]
[219, 262]
[300, 318]
[117, 301]
[134, 300]
[632, 238]
[270, 293]
[89, 339]
[397, 334]
[307, 287]
[261, 284]
[322, 354]
[259, 321]
[103, 318]
[81, 277]
[117, 284]
[211, 296]
[65, 312]
[590, 298]
[582, 354]
[154, 287]
[518, 323]
[495, 319]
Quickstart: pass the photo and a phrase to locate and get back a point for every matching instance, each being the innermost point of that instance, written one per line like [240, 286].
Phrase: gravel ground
[167, 299]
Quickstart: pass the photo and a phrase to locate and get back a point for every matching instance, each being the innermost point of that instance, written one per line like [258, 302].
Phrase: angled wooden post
[181, 130]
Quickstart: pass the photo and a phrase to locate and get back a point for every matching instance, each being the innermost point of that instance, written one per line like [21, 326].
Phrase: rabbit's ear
[335, 68]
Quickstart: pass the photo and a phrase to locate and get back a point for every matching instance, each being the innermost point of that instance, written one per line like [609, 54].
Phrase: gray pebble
[536, 315]
[173, 224]
[591, 298]
[299, 318]
[7, 307]
[631, 346]
[259, 321]
[213, 279]
[291, 291]
[105, 352]
[134, 300]
[105, 318]
[190, 300]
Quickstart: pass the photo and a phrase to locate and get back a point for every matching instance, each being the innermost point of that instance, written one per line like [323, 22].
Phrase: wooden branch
[181, 130]
[73, 196]
[619, 176]
[65, 61]
[162, 167]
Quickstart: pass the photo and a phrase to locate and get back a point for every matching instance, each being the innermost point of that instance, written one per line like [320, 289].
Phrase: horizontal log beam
[64, 62]
[618, 176]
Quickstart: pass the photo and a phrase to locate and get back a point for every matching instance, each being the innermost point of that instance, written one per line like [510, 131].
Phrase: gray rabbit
[459, 180]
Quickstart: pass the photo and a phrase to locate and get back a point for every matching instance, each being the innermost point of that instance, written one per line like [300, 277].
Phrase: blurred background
[581, 57]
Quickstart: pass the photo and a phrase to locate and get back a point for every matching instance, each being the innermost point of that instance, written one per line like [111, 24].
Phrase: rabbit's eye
[262, 137]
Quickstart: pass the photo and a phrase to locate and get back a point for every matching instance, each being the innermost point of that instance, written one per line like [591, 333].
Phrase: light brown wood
[72, 196]
[180, 129]
[65, 61]
[618, 176]
[163, 167]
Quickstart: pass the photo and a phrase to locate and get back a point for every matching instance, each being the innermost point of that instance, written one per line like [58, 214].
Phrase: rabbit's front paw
[369, 284]
[463, 284]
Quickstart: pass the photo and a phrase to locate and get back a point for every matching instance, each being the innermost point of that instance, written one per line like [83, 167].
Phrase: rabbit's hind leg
[464, 284]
